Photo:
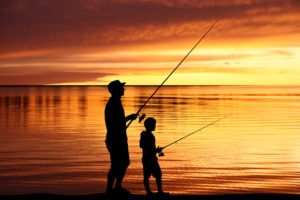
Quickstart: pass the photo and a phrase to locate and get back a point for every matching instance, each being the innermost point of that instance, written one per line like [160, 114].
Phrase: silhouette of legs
[159, 184]
[119, 158]
[112, 176]
[146, 184]
[120, 177]
[110, 181]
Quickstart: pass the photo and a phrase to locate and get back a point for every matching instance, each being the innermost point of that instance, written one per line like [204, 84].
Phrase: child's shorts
[151, 168]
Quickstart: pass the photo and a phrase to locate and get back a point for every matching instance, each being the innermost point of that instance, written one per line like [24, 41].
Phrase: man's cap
[112, 86]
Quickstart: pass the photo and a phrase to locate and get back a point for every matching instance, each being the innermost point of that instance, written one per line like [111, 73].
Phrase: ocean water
[52, 139]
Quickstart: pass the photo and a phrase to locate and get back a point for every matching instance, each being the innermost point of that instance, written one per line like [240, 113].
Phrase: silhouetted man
[116, 137]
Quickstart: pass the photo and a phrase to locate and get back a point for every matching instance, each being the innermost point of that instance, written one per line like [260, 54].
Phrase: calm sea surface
[52, 139]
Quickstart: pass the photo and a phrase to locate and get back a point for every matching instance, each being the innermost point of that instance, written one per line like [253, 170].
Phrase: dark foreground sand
[142, 197]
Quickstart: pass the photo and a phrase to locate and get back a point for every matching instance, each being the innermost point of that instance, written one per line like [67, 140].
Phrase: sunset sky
[256, 42]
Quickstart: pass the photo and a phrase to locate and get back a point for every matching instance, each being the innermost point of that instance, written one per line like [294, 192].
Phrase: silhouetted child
[150, 163]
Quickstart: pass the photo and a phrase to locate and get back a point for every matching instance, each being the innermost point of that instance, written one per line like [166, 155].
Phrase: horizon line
[93, 85]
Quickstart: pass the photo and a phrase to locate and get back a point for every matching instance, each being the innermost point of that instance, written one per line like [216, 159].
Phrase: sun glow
[247, 46]
[231, 66]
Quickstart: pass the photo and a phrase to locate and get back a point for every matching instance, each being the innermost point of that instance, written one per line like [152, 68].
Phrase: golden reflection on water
[53, 139]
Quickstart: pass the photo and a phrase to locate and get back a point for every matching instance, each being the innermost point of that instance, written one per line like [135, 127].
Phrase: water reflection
[52, 139]
[82, 103]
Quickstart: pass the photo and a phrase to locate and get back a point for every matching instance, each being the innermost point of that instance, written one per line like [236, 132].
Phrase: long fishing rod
[191, 133]
[171, 73]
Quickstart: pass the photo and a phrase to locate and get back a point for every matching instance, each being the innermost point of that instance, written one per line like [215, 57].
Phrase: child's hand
[158, 149]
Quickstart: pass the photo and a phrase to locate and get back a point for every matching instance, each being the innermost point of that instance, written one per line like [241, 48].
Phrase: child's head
[150, 124]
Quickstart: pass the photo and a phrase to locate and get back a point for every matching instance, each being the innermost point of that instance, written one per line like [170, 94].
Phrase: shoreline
[101, 196]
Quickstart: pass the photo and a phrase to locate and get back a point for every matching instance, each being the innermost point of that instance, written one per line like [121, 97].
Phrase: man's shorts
[119, 157]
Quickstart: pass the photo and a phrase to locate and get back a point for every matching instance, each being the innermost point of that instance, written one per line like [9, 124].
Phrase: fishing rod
[138, 112]
[162, 154]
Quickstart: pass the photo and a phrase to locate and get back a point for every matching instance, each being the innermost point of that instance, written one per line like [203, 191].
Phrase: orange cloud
[57, 24]
[99, 38]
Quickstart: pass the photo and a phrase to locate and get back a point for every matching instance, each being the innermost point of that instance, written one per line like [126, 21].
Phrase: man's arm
[131, 117]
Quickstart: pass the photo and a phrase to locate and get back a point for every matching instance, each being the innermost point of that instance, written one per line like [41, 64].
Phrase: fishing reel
[160, 152]
[142, 117]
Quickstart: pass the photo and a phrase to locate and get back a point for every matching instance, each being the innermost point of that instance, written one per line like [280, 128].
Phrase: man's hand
[132, 116]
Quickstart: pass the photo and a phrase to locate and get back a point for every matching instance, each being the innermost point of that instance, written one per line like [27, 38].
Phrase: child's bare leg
[159, 184]
[146, 184]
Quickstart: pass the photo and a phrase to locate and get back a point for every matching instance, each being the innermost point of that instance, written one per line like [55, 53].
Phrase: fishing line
[204, 35]
[196, 131]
